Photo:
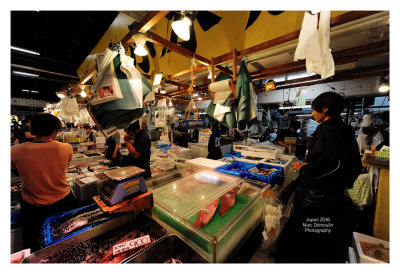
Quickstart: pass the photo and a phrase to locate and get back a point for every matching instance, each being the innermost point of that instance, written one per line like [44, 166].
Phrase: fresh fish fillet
[227, 202]
[206, 214]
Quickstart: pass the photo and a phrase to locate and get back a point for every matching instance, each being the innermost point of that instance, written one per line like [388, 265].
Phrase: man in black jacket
[332, 165]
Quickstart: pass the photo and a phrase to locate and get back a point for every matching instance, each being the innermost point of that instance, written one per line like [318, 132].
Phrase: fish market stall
[253, 154]
[213, 212]
[100, 244]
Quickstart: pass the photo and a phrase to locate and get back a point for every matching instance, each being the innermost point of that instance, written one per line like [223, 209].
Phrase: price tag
[175, 149]
[122, 247]
[82, 148]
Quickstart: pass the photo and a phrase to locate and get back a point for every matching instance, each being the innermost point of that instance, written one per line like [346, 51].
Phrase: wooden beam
[358, 71]
[148, 21]
[335, 54]
[336, 21]
[336, 79]
[158, 40]
[338, 61]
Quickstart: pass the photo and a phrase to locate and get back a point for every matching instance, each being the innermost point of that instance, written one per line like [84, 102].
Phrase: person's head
[45, 124]
[172, 125]
[86, 127]
[327, 105]
[132, 128]
[214, 126]
[28, 119]
[294, 126]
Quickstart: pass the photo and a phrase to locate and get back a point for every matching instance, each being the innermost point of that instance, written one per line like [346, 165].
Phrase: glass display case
[178, 203]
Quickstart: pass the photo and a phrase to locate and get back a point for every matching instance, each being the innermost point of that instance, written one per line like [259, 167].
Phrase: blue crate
[48, 239]
[233, 154]
[243, 166]
[276, 177]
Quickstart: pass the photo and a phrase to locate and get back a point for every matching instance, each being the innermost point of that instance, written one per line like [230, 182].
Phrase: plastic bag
[272, 214]
[361, 193]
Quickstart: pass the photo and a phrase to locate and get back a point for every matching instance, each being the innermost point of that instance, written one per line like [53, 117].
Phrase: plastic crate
[47, 238]
[236, 168]
[86, 190]
[233, 154]
[274, 178]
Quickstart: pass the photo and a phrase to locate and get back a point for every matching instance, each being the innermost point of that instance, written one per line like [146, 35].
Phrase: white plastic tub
[360, 256]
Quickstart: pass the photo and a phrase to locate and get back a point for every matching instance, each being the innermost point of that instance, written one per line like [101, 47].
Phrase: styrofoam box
[360, 256]
[20, 255]
[205, 163]
[352, 256]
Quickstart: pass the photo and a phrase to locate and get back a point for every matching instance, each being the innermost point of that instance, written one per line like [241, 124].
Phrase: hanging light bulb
[384, 85]
[83, 93]
[170, 102]
[181, 28]
[140, 50]
[140, 40]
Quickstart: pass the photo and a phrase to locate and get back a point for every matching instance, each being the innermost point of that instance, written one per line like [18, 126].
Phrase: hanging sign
[204, 136]
[160, 120]
[122, 247]
[302, 98]
[175, 149]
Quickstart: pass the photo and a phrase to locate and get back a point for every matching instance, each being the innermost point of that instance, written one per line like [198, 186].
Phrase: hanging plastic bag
[361, 193]
[272, 214]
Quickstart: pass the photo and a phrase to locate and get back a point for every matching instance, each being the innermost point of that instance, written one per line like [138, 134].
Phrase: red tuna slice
[206, 214]
[228, 201]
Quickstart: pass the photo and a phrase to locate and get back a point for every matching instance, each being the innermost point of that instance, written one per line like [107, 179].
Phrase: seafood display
[376, 251]
[100, 249]
[79, 222]
[266, 171]
[206, 214]
[227, 202]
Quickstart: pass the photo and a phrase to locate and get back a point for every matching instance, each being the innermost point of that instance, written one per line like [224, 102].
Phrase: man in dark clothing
[287, 132]
[332, 165]
[214, 143]
[26, 135]
[139, 150]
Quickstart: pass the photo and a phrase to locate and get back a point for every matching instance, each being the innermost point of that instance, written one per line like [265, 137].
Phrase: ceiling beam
[336, 54]
[358, 71]
[335, 79]
[148, 21]
[294, 67]
[151, 18]
[158, 40]
[335, 21]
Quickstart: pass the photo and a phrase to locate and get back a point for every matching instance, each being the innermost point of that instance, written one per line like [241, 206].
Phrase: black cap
[134, 126]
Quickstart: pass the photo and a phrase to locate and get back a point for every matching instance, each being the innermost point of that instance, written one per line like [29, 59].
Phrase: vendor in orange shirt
[42, 166]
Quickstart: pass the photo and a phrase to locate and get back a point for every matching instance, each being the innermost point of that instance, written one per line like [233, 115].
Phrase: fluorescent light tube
[24, 73]
[25, 50]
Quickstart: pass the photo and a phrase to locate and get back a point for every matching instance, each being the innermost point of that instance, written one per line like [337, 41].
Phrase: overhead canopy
[210, 39]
